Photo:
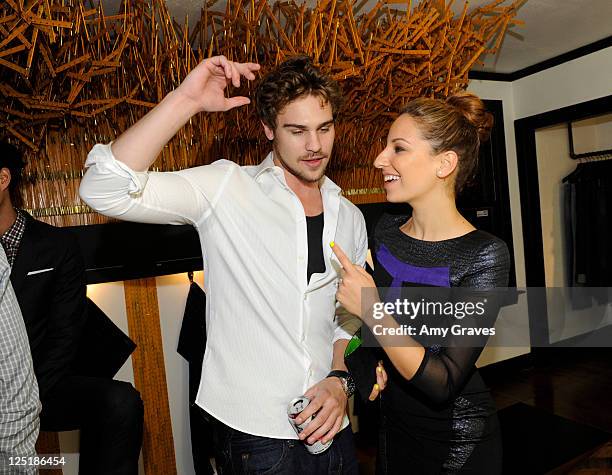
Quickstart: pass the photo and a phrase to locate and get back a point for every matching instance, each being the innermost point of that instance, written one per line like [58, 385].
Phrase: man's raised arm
[201, 91]
[117, 184]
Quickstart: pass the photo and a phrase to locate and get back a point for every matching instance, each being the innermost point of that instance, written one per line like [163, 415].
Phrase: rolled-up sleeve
[111, 188]
[347, 323]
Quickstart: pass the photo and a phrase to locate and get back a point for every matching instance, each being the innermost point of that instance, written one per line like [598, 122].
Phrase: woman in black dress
[437, 415]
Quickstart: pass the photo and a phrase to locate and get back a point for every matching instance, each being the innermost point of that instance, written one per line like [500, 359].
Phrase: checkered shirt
[19, 403]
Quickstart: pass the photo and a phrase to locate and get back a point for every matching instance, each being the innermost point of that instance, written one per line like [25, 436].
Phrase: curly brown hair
[294, 78]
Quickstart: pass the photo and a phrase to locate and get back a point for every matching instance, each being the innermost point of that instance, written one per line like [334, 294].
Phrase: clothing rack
[595, 155]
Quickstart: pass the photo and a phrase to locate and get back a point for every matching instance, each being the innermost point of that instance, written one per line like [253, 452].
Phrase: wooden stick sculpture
[72, 76]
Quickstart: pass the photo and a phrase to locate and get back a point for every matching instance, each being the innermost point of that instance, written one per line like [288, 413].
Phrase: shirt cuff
[101, 157]
[341, 334]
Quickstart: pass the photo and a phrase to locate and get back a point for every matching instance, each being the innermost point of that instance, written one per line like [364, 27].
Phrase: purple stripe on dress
[402, 272]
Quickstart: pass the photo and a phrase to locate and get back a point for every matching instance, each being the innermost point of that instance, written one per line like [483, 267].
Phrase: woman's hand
[381, 381]
[353, 280]
[204, 86]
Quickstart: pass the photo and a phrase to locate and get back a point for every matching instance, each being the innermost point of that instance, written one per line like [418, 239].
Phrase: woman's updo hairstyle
[460, 123]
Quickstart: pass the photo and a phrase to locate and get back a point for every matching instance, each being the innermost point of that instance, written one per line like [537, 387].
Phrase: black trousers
[109, 415]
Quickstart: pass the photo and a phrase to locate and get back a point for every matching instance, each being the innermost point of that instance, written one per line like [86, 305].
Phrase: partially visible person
[19, 404]
[48, 276]
[437, 415]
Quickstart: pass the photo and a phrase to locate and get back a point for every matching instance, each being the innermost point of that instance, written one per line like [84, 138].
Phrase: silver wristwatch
[348, 385]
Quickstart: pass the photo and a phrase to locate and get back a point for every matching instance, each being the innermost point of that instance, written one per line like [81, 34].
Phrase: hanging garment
[588, 226]
[191, 346]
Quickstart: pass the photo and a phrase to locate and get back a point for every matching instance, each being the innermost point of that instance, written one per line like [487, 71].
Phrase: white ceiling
[552, 27]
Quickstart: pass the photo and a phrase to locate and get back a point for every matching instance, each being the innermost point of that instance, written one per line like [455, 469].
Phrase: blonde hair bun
[474, 111]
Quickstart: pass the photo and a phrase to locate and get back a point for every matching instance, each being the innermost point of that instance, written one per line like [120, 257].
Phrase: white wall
[580, 80]
[593, 134]
[554, 163]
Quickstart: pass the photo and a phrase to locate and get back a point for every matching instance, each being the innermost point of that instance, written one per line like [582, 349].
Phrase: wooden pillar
[48, 444]
[150, 375]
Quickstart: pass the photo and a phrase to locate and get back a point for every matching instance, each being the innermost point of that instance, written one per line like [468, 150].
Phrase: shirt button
[301, 258]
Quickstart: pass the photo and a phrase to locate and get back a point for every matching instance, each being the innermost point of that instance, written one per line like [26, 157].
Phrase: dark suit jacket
[48, 276]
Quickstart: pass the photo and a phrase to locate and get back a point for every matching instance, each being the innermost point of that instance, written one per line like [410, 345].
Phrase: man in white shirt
[274, 328]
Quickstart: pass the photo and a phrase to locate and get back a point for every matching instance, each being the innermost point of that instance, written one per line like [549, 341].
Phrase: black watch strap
[345, 378]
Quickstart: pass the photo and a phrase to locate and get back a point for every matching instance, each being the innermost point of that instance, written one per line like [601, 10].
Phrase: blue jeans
[237, 453]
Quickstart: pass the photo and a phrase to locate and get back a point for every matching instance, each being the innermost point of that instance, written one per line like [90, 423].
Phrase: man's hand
[354, 279]
[204, 85]
[328, 399]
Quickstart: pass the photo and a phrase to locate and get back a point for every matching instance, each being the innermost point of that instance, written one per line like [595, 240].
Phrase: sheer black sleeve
[444, 371]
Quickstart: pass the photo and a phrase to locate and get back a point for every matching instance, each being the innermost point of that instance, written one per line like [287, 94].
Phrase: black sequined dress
[443, 420]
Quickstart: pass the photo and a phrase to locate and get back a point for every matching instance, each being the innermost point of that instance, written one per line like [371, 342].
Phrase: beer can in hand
[295, 407]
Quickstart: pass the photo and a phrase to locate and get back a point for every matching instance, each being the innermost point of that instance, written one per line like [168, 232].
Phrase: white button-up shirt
[270, 332]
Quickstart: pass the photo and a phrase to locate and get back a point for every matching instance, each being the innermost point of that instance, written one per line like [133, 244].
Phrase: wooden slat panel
[150, 376]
